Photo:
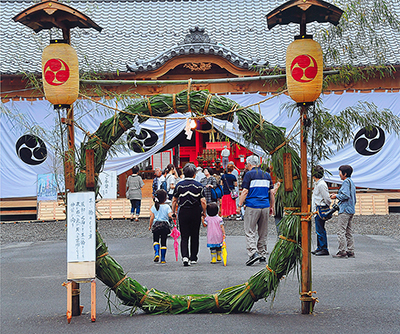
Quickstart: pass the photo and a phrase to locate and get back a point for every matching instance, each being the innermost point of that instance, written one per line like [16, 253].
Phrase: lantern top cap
[293, 11]
[50, 14]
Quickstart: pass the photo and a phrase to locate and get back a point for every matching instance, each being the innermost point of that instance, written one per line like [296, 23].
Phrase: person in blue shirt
[258, 198]
[347, 208]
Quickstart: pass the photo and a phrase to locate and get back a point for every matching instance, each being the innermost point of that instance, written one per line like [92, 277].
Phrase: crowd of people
[188, 196]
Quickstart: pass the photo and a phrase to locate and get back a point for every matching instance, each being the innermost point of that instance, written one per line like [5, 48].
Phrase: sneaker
[186, 262]
[340, 255]
[193, 262]
[238, 217]
[255, 257]
[351, 255]
[315, 251]
[263, 259]
[322, 252]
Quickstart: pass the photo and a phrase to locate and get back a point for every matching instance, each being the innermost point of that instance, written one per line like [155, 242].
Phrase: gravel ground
[388, 225]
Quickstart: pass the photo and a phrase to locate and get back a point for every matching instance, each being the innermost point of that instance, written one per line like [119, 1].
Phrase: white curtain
[18, 179]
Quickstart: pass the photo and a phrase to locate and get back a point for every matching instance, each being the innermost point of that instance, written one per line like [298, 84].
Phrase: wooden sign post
[81, 246]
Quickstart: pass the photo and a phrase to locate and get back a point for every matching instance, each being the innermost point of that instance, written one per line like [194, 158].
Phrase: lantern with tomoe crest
[304, 70]
[60, 74]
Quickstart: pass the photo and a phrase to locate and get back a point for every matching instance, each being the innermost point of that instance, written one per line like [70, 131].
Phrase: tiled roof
[141, 33]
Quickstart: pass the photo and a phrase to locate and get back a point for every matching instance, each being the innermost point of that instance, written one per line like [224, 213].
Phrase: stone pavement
[360, 295]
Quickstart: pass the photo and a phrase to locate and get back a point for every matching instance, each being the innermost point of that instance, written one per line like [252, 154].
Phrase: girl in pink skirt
[215, 232]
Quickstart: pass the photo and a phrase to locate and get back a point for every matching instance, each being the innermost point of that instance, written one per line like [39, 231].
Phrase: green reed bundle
[286, 253]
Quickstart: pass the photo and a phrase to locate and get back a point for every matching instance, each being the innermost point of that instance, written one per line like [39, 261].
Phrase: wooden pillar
[306, 306]
[70, 186]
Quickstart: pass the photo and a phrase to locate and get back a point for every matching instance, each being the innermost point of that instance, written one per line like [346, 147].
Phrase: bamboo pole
[184, 82]
[306, 307]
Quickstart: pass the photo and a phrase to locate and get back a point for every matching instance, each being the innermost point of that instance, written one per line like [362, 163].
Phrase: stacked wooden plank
[21, 208]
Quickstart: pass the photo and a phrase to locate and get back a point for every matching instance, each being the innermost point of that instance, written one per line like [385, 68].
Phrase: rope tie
[209, 97]
[302, 213]
[188, 93]
[84, 172]
[76, 292]
[115, 118]
[165, 131]
[100, 142]
[233, 108]
[296, 208]
[261, 118]
[144, 297]
[293, 178]
[270, 270]
[248, 287]
[216, 300]
[277, 148]
[174, 103]
[189, 300]
[119, 283]
[306, 296]
[122, 125]
[149, 106]
[102, 255]
[287, 239]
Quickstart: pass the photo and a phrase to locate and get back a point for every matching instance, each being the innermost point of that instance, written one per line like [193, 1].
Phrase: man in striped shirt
[258, 198]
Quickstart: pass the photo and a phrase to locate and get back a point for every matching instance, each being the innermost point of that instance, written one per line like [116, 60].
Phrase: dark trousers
[135, 205]
[161, 234]
[322, 240]
[189, 223]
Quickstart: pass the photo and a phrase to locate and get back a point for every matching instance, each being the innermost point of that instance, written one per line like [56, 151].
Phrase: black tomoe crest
[143, 141]
[31, 149]
[369, 142]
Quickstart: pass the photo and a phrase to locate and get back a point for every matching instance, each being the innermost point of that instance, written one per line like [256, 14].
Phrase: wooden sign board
[287, 171]
[81, 235]
[69, 171]
[90, 169]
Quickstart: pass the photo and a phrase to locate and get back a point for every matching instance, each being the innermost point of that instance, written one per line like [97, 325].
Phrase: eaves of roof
[138, 35]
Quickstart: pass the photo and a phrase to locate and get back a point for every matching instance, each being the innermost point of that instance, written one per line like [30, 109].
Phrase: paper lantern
[304, 70]
[60, 74]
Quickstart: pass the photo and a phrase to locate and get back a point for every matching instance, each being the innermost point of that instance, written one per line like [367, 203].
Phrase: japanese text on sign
[81, 224]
